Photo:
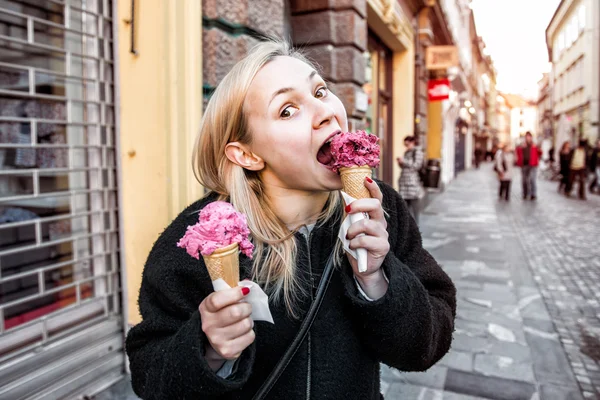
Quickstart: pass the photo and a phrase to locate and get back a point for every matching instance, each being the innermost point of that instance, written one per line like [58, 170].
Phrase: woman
[504, 164]
[409, 183]
[262, 147]
[565, 169]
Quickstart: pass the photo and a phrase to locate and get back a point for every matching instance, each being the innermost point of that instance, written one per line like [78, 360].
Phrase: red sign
[438, 89]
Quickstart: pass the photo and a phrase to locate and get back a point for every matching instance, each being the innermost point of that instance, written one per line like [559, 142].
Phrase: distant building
[574, 51]
[503, 119]
[523, 117]
[544, 106]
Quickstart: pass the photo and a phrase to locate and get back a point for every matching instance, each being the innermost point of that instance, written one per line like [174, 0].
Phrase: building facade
[544, 108]
[503, 117]
[574, 51]
[523, 117]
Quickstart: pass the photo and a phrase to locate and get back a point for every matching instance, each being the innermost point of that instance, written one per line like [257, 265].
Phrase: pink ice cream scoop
[219, 225]
[353, 149]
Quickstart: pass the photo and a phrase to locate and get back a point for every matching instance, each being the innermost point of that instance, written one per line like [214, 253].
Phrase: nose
[323, 114]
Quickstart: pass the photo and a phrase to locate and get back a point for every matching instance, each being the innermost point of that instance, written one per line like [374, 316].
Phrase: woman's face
[291, 114]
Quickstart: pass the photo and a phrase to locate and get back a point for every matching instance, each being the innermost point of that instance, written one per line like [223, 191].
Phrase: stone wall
[230, 28]
[333, 33]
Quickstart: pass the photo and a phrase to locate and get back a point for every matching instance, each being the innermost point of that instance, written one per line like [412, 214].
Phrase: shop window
[378, 87]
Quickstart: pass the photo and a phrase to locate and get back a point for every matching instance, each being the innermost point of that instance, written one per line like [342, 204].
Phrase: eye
[288, 112]
[321, 92]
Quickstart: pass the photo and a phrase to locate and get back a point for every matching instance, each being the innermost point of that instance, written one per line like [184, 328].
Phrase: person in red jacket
[528, 157]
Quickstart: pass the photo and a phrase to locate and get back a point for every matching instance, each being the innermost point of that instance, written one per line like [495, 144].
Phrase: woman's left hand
[374, 240]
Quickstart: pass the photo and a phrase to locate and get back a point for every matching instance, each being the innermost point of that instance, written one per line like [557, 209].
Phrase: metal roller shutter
[61, 323]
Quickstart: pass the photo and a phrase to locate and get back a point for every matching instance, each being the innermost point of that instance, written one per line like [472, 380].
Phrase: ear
[241, 155]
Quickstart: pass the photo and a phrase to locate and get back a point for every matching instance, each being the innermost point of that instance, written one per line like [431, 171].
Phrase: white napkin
[359, 254]
[257, 298]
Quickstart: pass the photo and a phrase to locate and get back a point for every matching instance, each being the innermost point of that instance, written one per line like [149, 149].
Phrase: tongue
[324, 155]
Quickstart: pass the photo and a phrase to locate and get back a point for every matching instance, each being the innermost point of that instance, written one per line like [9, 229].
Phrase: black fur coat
[409, 328]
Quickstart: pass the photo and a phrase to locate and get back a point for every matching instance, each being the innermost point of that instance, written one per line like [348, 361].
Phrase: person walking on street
[595, 168]
[478, 155]
[565, 162]
[409, 184]
[578, 169]
[503, 165]
[528, 157]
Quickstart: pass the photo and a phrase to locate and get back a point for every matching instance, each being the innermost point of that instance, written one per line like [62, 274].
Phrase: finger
[370, 206]
[233, 349]
[374, 189]
[368, 227]
[374, 245]
[233, 314]
[223, 298]
[236, 330]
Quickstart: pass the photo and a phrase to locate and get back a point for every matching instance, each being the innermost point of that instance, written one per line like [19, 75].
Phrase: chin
[335, 182]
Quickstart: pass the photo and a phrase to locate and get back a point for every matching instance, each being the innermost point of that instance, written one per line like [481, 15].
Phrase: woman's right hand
[227, 324]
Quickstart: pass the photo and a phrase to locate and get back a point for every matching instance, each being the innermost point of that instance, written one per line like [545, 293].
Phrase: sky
[514, 32]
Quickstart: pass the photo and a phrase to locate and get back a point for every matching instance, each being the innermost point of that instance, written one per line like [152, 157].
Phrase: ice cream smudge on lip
[219, 225]
[350, 149]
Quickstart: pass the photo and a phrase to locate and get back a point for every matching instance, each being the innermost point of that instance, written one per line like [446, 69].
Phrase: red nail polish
[348, 208]
[369, 180]
[245, 291]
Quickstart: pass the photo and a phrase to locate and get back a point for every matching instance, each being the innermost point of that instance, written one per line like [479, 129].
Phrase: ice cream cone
[353, 180]
[224, 263]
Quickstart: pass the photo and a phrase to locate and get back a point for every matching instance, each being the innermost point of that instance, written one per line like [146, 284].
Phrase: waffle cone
[224, 263]
[353, 180]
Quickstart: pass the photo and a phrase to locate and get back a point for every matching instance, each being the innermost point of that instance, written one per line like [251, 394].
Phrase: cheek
[283, 142]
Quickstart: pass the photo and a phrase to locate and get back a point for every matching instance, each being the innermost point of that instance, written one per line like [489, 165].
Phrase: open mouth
[324, 155]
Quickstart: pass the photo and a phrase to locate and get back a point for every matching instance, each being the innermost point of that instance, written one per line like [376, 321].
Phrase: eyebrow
[289, 89]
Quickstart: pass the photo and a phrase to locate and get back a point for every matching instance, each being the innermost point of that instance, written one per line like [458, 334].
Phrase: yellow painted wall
[160, 109]
[434, 130]
[403, 99]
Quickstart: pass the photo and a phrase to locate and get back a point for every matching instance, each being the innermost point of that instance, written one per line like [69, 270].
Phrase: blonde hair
[224, 121]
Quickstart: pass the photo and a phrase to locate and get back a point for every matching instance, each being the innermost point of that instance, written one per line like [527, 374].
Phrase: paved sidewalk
[527, 275]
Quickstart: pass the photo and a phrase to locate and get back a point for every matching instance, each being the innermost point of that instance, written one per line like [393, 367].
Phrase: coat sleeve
[410, 328]
[166, 349]
[498, 161]
[519, 153]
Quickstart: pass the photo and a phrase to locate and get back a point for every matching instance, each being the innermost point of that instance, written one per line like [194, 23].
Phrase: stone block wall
[333, 33]
[230, 28]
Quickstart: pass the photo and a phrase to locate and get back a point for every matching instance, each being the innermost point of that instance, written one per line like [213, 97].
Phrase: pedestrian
[478, 155]
[528, 157]
[578, 169]
[595, 169]
[565, 162]
[551, 158]
[503, 165]
[264, 147]
[409, 184]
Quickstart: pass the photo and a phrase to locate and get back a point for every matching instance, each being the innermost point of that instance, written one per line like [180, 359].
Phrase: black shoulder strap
[301, 335]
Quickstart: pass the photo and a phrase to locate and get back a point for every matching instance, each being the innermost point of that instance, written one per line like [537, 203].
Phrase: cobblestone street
[527, 274]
